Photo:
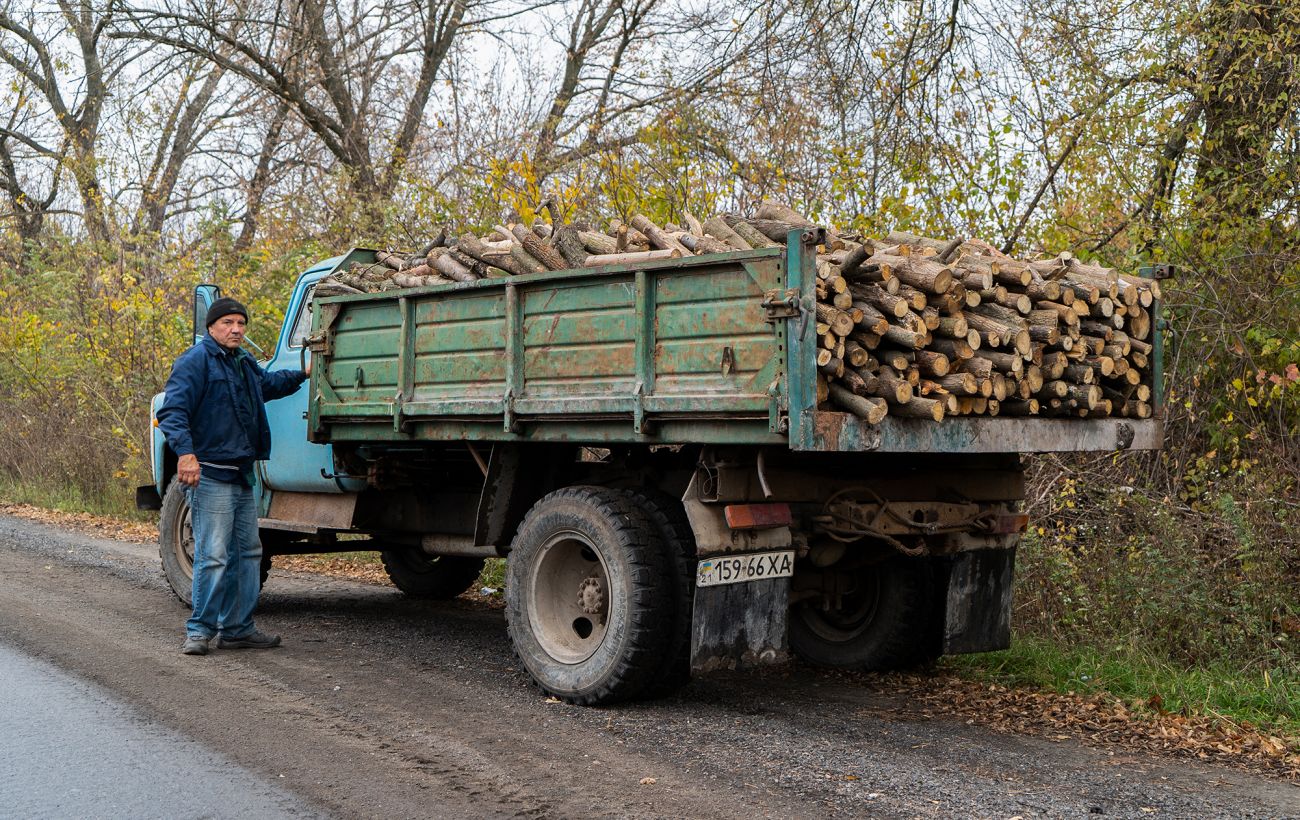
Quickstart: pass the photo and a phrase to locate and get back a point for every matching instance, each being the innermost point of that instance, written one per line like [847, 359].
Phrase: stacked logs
[907, 325]
[922, 328]
[518, 250]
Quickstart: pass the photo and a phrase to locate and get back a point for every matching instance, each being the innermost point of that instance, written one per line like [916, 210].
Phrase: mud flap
[977, 616]
[739, 626]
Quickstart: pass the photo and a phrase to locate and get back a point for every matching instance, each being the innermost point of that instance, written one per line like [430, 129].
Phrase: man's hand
[187, 470]
[306, 368]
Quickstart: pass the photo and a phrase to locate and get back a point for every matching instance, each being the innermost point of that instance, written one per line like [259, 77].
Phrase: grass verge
[64, 497]
[1268, 701]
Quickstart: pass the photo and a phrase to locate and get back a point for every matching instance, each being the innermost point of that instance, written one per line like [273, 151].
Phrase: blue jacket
[202, 413]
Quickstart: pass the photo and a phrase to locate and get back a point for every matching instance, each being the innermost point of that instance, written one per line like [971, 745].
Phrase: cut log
[887, 303]
[833, 368]
[657, 236]
[840, 322]
[925, 275]
[703, 244]
[872, 321]
[906, 338]
[390, 260]
[954, 349]
[598, 243]
[748, 233]
[449, 267]
[919, 408]
[719, 229]
[869, 409]
[473, 247]
[855, 354]
[631, 257]
[965, 384]
[894, 390]
[538, 249]
[567, 241]
[859, 381]
[774, 229]
[770, 209]
[526, 260]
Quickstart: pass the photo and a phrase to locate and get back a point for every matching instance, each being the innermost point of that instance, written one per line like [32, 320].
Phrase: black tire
[176, 544]
[669, 518]
[432, 577]
[884, 622]
[587, 606]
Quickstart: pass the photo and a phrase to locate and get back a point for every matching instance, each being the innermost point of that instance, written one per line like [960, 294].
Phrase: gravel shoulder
[381, 706]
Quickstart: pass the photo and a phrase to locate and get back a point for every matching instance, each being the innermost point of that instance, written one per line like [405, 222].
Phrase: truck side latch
[321, 343]
[777, 306]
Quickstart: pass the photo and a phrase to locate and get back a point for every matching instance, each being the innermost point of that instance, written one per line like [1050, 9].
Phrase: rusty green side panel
[676, 351]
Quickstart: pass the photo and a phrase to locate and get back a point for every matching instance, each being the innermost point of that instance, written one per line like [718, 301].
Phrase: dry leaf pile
[1100, 720]
[100, 526]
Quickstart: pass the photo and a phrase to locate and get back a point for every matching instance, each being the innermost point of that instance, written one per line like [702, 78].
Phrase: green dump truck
[643, 443]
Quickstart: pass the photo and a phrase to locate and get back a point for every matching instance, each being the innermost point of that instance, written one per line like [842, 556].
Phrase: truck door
[204, 296]
[296, 464]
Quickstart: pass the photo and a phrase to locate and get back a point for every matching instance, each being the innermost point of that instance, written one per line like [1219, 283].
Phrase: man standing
[214, 418]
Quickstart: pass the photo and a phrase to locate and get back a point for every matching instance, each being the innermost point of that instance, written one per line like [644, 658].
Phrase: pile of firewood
[924, 328]
[907, 325]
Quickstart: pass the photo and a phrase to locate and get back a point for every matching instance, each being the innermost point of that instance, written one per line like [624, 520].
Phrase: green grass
[493, 575]
[1267, 700]
[63, 497]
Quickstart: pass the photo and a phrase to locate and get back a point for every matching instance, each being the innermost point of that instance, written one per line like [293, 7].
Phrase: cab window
[302, 324]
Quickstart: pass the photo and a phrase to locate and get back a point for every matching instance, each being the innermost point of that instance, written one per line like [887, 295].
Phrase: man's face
[228, 331]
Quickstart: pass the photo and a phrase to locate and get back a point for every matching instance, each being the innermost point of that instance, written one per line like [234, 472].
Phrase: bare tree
[177, 138]
[27, 208]
[258, 186]
[76, 99]
[359, 78]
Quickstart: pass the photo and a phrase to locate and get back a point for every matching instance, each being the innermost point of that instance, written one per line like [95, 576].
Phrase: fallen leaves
[100, 526]
[1098, 720]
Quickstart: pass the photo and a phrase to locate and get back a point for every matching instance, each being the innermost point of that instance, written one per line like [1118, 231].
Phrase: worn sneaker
[253, 640]
[195, 646]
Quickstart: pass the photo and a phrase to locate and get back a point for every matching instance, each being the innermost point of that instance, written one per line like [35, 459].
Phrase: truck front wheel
[436, 577]
[589, 606]
[176, 544]
[875, 617]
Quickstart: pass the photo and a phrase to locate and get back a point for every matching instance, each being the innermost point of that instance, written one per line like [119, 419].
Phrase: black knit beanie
[224, 307]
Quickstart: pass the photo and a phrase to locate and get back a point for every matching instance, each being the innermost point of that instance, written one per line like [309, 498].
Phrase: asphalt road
[71, 750]
[377, 706]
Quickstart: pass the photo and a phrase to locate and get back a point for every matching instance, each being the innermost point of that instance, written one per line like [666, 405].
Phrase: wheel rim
[184, 540]
[569, 598]
[852, 618]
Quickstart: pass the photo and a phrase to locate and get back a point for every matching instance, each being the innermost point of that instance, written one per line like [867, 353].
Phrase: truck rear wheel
[436, 577]
[176, 544]
[587, 606]
[669, 518]
[881, 619]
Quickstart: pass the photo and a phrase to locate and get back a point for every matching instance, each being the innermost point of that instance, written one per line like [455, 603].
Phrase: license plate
[736, 569]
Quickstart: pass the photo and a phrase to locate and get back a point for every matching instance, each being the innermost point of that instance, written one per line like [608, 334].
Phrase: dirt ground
[381, 706]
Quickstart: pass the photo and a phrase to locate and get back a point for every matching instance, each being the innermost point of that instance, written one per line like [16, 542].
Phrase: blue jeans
[227, 559]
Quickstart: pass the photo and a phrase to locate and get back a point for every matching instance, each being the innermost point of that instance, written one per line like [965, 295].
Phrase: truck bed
[710, 349]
